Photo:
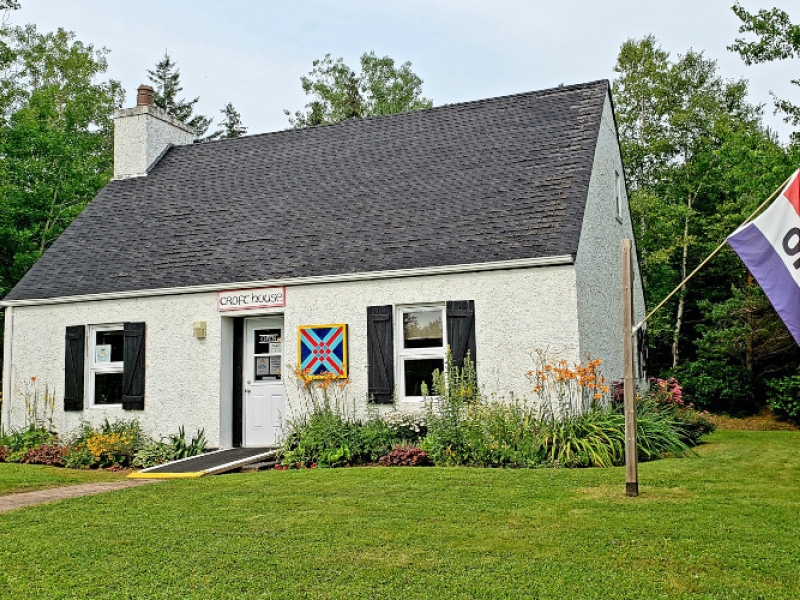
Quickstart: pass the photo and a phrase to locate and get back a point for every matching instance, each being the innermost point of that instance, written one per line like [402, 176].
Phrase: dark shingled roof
[497, 179]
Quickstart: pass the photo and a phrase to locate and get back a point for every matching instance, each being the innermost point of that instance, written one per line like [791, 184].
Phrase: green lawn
[723, 525]
[26, 478]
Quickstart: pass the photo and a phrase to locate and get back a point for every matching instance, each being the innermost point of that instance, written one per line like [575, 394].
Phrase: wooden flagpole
[631, 454]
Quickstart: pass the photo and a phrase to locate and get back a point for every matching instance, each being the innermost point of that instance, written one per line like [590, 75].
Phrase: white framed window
[421, 343]
[618, 194]
[106, 365]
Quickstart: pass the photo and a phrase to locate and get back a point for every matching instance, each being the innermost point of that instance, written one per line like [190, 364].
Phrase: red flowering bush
[3, 453]
[667, 392]
[667, 395]
[46, 454]
[405, 457]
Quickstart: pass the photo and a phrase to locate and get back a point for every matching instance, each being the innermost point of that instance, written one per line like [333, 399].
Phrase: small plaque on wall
[322, 350]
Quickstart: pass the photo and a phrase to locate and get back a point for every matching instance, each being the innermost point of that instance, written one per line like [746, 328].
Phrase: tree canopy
[777, 38]
[339, 93]
[698, 160]
[55, 139]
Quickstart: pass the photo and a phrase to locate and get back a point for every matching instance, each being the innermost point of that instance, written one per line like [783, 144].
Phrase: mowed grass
[15, 477]
[724, 524]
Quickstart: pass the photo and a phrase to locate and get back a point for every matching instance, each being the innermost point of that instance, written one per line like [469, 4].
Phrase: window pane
[419, 371]
[108, 388]
[422, 329]
[106, 341]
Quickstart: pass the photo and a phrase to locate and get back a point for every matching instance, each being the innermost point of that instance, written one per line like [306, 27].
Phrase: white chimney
[143, 134]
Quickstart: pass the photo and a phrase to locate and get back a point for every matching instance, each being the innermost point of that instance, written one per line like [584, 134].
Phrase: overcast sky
[252, 52]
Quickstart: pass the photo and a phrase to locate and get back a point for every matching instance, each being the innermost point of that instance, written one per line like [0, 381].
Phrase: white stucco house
[183, 294]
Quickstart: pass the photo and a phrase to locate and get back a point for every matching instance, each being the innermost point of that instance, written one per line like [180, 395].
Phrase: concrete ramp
[210, 463]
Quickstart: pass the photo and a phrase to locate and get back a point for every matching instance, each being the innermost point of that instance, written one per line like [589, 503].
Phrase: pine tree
[166, 79]
[231, 126]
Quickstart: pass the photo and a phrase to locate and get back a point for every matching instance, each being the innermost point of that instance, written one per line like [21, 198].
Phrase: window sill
[418, 399]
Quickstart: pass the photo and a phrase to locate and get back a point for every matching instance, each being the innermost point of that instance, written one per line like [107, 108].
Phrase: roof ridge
[350, 122]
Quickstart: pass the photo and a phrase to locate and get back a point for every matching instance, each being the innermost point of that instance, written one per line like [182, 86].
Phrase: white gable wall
[598, 263]
[188, 381]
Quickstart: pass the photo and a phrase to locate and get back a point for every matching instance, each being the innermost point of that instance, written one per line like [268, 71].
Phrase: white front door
[264, 393]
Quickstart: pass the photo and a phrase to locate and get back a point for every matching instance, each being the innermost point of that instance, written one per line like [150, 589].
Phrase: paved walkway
[20, 500]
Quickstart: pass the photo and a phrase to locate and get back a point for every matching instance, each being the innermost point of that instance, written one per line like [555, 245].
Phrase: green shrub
[657, 433]
[571, 425]
[330, 439]
[154, 453]
[595, 438]
[112, 444]
[176, 447]
[784, 397]
[25, 439]
[666, 395]
[19, 441]
[454, 390]
[79, 457]
[720, 387]
[328, 433]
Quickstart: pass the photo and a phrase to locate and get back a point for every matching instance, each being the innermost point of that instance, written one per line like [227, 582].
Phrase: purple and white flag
[770, 247]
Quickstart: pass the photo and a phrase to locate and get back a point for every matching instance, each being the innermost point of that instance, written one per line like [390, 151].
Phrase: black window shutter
[133, 373]
[461, 330]
[75, 344]
[380, 354]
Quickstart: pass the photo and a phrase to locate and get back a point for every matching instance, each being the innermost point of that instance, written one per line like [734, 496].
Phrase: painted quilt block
[323, 350]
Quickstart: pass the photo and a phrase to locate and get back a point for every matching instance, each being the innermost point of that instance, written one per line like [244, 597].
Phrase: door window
[267, 354]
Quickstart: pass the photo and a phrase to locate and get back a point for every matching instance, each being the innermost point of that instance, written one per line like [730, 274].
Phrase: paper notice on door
[262, 366]
[275, 366]
[275, 348]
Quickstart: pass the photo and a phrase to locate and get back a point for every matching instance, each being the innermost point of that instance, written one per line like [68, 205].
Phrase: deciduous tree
[339, 93]
[55, 139]
[777, 38]
[698, 160]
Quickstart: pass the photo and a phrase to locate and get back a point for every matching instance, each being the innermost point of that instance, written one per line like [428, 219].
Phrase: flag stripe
[792, 193]
[780, 225]
[772, 274]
